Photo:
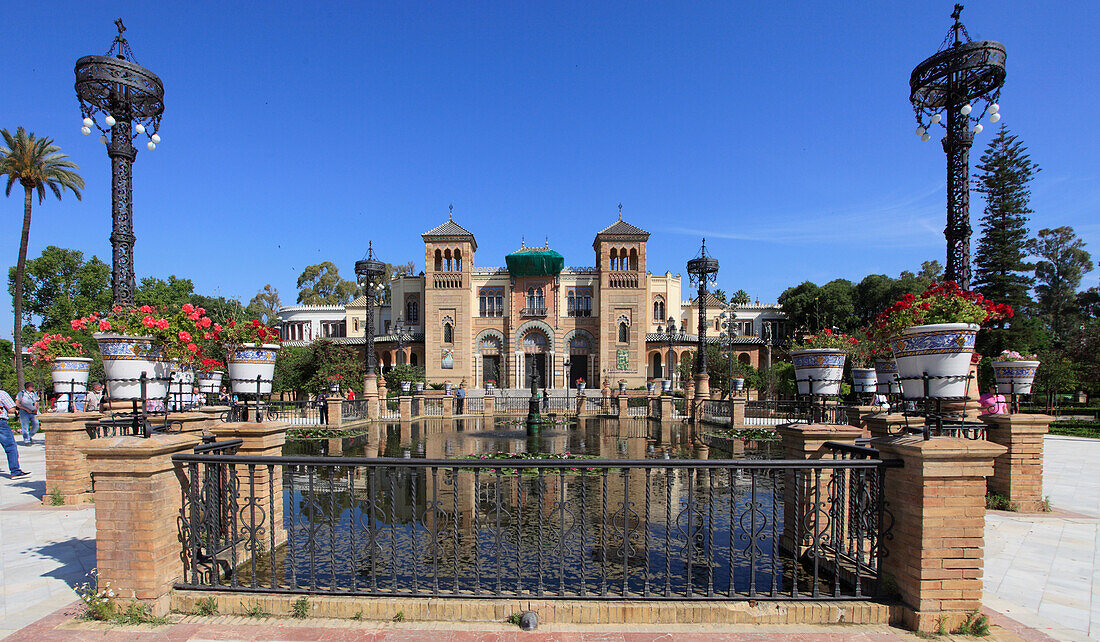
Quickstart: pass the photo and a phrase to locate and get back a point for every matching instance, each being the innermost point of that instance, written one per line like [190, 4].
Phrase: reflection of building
[533, 318]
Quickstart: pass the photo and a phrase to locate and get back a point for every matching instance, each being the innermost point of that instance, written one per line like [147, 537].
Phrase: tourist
[322, 407]
[460, 398]
[61, 403]
[993, 403]
[223, 397]
[93, 401]
[7, 438]
[351, 395]
[27, 402]
[880, 401]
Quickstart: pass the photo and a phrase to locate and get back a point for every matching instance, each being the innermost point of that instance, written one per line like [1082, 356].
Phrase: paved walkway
[1044, 570]
[1041, 570]
[44, 551]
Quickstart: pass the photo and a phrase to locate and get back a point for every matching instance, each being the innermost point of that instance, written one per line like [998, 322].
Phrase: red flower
[192, 347]
[146, 309]
[194, 316]
[187, 308]
[162, 324]
[185, 336]
[148, 321]
[104, 325]
[204, 322]
[117, 308]
[75, 323]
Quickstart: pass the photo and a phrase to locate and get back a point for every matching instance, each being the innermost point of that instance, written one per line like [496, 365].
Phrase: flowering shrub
[826, 339]
[940, 303]
[1012, 355]
[100, 602]
[178, 330]
[206, 364]
[235, 334]
[52, 346]
[579, 381]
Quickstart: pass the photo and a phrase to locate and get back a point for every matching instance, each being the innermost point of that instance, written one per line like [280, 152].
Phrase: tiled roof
[622, 228]
[712, 301]
[450, 228]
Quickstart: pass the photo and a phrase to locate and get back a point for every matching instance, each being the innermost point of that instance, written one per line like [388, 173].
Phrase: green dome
[535, 262]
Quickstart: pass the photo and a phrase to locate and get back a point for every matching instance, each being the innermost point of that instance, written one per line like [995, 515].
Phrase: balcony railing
[447, 280]
[533, 312]
[581, 312]
[623, 280]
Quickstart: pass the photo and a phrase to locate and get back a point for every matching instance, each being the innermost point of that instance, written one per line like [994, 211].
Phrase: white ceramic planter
[125, 359]
[622, 386]
[210, 382]
[406, 386]
[1015, 377]
[864, 380]
[666, 385]
[941, 351]
[650, 386]
[886, 371]
[249, 360]
[580, 386]
[738, 384]
[420, 386]
[70, 374]
[818, 371]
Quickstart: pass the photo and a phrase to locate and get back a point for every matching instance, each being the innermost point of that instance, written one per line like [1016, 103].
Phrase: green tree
[740, 298]
[160, 293]
[60, 285]
[720, 294]
[1001, 271]
[37, 164]
[321, 284]
[930, 271]
[392, 270]
[265, 305]
[811, 308]
[1065, 262]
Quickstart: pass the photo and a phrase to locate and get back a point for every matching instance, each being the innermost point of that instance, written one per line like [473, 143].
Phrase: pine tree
[1001, 272]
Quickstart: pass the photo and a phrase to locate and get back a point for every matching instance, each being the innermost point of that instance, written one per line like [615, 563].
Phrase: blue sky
[780, 131]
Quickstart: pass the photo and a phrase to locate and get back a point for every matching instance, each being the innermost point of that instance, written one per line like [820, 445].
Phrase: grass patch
[256, 611]
[975, 624]
[1046, 506]
[207, 606]
[358, 615]
[301, 608]
[400, 617]
[1076, 428]
[136, 613]
[56, 498]
[993, 501]
[515, 618]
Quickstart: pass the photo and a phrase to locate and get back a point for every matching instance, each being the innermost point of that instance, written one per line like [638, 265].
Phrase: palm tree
[37, 164]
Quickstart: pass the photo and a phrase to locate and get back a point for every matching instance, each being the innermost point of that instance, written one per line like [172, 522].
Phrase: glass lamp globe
[110, 120]
[88, 122]
[965, 110]
[937, 118]
[994, 118]
[85, 130]
[925, 138]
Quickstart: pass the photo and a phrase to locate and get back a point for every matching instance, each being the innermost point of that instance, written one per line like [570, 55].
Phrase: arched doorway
[490, 350]
[579, 351]
[535, 348]
[655, 370]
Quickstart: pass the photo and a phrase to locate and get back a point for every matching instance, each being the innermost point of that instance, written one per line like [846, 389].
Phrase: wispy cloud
[900, 220]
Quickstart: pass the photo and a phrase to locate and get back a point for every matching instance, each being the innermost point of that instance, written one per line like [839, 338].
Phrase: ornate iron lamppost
[703, 271]
[369, 270]
[130, 100]
[943, 88]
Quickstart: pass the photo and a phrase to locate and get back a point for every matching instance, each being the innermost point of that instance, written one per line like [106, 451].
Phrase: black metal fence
[355, 409]
[625, 529]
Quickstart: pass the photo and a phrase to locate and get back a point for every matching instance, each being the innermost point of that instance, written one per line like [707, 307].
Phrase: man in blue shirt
[7, 439]
[28, 412]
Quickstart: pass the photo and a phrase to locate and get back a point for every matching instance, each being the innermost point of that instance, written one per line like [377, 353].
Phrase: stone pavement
[1044, 570]
[1041, 570]
[44, 551]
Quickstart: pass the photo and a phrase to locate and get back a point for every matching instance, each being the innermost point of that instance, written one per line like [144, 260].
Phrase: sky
[781, 132]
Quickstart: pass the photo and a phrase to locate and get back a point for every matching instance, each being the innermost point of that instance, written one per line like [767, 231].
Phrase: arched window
[624, 332]
[632, 263]
[570, 303]
[458, 260]
[447, 260]
[540, 302]
[438, 261]
[412, 359]
[448, 333]
[578, 345]
[743, 357]
[614, 259]
[412, 310]
[530, 298]
[717, 324]
[659, 310]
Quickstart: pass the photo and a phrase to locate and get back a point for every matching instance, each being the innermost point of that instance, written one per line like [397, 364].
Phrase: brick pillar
[802, 442]
[1018, 473]
[605, 401]
[448, 406]
[622, 411]
[666, 407]
[490, 408]
[213, 414]
[335, 411]
[405, 407]
[886, 425]
[138, 498]
[191, 421]
[937, 501]
[66, 467]
[738, 418]
[260, 440]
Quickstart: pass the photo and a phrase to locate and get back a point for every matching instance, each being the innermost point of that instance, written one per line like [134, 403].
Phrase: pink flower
[194, 316]
[185, 336]
[104, 325]
[204, 322]
[75, 323]
[146, 309]
[188, 308]
[192, 347]
[162, 324]
[148, 321]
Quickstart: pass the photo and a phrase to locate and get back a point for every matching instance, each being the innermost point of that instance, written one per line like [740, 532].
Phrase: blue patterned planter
[818, 371]
[864, 380]
[940, 351]
[248, 361]
[70, 374]
[886, 371]
[1015, 377]
[738, 384]
[125, 359]
[210, 382]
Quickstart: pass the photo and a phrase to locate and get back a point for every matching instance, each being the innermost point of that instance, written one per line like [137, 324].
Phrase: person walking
[7, 438]
[27, 403]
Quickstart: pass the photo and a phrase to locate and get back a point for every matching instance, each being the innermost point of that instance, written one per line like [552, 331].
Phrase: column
[405, 407]
[937, 502]
[886, 425]
[622, 410]
[1018, 473]
[335, 411]
[138, 498]
[67, 472]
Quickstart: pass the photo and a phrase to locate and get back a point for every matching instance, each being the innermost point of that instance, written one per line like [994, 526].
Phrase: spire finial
[370, 249]
[620, 211]
[451, 212]
[522, 243]
[547, 246]
[956, 14]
